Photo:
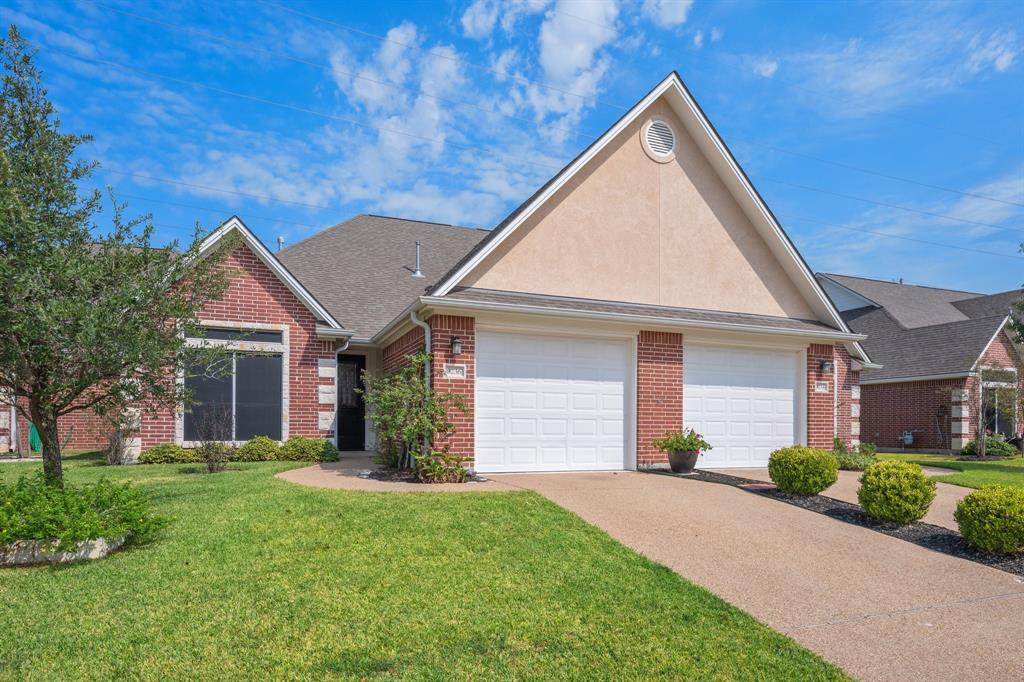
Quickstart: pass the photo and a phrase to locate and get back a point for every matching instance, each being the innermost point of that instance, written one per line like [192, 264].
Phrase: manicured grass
[260, 578]
[969, 474]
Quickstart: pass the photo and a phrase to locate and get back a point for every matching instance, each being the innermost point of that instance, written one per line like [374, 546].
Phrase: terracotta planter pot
[682, 461]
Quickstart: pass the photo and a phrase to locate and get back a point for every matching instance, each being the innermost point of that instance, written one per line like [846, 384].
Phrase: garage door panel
[550, 403]
[742, 400]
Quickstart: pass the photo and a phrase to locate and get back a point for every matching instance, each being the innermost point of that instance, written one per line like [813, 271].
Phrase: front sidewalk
[881, 608]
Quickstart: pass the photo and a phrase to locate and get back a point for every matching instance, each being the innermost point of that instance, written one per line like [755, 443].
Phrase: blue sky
[297, 116]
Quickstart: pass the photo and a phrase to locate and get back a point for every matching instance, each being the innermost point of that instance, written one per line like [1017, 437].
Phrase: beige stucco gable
[628, 228]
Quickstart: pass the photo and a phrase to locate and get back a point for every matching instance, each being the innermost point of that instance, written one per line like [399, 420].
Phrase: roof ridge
[384, 217]
[903, 284]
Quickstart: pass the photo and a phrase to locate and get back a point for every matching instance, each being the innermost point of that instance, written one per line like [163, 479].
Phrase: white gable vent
[660, 138]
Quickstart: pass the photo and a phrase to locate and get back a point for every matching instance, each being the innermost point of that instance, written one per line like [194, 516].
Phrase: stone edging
[935, 538]
[33, 552]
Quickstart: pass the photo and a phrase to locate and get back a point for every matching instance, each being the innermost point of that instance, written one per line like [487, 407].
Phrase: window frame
[241, 346]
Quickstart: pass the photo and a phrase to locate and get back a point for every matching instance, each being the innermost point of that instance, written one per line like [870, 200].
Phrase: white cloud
[998, 50]
[716, 34]
[766, 68]
[479, 18]
[667, 13]
[698, 39]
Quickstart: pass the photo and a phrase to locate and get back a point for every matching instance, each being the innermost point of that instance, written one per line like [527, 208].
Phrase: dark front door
[351, 411]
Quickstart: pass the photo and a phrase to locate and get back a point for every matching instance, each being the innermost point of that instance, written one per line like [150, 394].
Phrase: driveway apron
[879, 607]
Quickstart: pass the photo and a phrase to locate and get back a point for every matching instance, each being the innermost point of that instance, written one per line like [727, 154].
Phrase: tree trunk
[46, 425]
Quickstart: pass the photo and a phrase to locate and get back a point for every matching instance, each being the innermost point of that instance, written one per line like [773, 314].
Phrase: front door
[351, 411]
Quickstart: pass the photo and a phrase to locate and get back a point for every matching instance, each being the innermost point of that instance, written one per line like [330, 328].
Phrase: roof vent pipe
[280, 243]
[418, 273]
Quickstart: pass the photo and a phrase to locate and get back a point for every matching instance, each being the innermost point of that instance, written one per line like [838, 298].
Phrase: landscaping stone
[32, 552]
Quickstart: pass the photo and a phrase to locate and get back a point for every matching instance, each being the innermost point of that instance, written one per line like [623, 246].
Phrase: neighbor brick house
[645, 288]
[937, 348]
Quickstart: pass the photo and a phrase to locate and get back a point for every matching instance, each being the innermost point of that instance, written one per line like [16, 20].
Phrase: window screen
[348, 382]
[252, 392]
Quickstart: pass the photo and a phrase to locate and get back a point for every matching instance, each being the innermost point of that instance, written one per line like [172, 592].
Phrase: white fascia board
[988, 345]
[690, 114]
[912, 379]
[271, 261]
[441, 302]
[332, 333]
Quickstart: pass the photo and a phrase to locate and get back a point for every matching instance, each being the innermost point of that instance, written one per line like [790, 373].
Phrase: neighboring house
[932, 343]
[646, 287]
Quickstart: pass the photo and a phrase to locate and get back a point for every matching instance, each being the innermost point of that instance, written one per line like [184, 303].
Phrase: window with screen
[250, 392]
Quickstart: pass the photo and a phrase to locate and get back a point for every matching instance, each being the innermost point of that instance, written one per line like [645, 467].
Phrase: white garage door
[743, 402]
[549, 403]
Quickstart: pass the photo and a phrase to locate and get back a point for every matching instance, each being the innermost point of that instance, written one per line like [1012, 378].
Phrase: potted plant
[682, 447]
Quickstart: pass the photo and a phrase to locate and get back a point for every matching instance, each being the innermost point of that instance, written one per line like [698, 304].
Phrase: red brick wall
[256, 295]
[820, 406]
[659, 400]
[395, 354]
[887, 410]
[443, 328]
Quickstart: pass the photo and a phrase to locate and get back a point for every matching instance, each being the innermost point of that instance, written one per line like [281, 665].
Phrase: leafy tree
[1017, 315]
[89, 319]
[406, 412]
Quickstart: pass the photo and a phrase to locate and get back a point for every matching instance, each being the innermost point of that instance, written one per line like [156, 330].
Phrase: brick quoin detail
[462, 441]
[396, 354]
[659, 399]
[845, 379]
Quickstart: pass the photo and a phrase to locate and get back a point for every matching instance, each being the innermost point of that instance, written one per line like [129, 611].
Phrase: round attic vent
[660, 138]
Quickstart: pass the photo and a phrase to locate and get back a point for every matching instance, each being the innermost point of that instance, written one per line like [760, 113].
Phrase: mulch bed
[935, 538]
[404, 476]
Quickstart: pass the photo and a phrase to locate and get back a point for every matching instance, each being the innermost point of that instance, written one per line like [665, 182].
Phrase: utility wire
[211, 209]
[908, 239]
[574, 131]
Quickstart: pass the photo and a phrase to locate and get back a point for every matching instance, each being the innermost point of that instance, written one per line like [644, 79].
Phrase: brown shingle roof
[361, 269]
[909, 304]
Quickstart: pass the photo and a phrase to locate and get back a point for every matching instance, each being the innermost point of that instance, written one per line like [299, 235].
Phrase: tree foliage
[91, 319]
[406, 412]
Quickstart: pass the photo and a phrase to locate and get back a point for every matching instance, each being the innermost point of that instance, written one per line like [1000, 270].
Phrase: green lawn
[259, 578]
[969, 474]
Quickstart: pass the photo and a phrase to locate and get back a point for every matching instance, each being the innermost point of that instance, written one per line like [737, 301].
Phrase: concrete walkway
[879, 607]
[845, 489]
[344, 475]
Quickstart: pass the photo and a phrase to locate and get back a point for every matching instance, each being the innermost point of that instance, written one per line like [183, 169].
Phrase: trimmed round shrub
[992, 519]
[994, 447]
[259, 449]
[302, 449]
[803, 471]
[895, 491]
[169, 453]
[32, 509]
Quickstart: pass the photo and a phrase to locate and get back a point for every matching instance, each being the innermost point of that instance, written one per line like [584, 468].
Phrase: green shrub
[259, 449]
[803, 471]
[867, 449]
[854, 461]
[992, 519]
[32, 509]
[994, 447]
[169, 453]
[302, 449]
[441, 467]
[895, 491]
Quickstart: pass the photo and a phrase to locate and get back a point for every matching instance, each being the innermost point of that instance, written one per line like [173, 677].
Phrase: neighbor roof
[362, 269]
[923, 331]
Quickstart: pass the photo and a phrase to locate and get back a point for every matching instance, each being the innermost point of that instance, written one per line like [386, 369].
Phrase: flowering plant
[687, 440]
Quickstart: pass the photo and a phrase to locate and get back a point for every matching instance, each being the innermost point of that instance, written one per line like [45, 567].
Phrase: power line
[292, 107]
[575, 131]
[443, 55]
[888, 205]
[210, 209]
[328, 68]
[908, 239]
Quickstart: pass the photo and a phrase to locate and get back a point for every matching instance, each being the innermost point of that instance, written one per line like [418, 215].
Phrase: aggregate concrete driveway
[879, 607]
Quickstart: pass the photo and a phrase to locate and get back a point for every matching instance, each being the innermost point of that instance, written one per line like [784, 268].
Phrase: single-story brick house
[934, 346]
[644, 288]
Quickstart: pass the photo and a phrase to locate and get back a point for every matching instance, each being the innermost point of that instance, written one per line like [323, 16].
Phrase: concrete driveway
[880, 608]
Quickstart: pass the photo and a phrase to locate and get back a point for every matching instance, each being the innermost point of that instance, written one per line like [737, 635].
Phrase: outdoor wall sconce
[456, 346]
[826, 366]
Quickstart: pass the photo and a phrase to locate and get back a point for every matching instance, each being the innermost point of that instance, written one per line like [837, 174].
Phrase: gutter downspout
[427, 347]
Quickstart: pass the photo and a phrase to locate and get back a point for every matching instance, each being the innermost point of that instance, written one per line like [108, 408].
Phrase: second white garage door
[550, 403]
[743, 401]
